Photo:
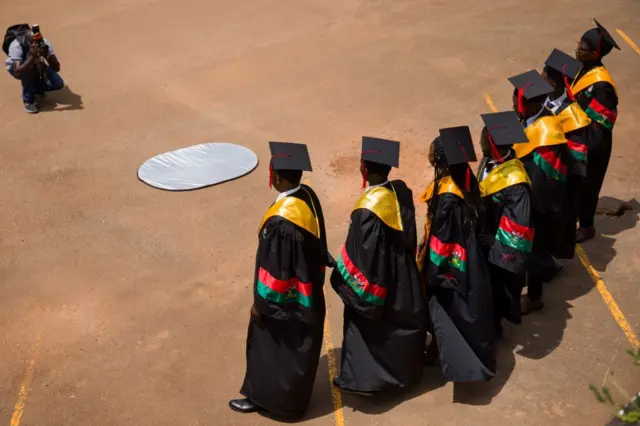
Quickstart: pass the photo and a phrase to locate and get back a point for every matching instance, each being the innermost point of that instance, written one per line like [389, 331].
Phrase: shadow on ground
[61, 100]
[613, 217]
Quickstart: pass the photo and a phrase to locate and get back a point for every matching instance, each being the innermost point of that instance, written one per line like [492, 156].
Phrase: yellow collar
[509, 173]
[545, 131]
[446, 185]
[383, 203]
[573, 118]
[296, 211]
[592, 77]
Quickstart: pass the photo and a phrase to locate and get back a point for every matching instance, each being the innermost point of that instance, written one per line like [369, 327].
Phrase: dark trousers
[541, 256]
[36, 84]
[507, 287]
[597, 163]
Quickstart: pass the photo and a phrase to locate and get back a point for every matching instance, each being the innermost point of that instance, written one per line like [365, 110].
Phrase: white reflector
[197, 166]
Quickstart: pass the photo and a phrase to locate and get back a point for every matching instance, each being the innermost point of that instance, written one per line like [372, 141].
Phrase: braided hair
[458, 173]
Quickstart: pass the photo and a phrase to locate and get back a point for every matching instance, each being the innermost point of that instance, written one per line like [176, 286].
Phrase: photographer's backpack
[15, 32]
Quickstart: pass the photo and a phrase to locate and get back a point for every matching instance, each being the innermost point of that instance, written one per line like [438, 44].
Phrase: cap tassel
[270, 174]
[567, 85]
[467, 177]
[271, 167]
[494, 149]
[520, 102]
[363, 170]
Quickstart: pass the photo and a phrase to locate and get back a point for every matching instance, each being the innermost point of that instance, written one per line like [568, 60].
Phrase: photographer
[32, 61]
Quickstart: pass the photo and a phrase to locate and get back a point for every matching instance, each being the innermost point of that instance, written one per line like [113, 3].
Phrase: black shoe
[337, 382]
[31, 108]
[243, 406]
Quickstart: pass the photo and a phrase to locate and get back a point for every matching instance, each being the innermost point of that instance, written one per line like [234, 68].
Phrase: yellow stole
[573, 118]
[509, 173]
[296, 211]
[383, 203]
[447, 185]
[545, 131]
[592, 77]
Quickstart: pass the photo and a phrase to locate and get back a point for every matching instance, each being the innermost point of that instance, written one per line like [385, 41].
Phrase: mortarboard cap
[457, 145]
[290, 156]
[606, 37]
[505, 128]
[381, 151]
[532, 84]
[564, 64]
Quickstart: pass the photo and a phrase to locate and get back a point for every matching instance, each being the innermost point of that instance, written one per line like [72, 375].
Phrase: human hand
[254, 313]
[34, 49]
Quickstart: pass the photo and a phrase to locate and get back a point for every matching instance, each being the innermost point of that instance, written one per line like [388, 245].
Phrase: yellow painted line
[336, 396]
[629, 41]
[25, 384]
[608, 298]
[600, 285]
[492, 107]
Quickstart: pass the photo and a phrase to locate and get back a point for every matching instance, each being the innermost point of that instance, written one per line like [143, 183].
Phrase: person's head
[284, 180]
[375, 173]
[288, 161]
[527, 107]
[490, 152]
[595, 44]
[555, 80]
[377, 157]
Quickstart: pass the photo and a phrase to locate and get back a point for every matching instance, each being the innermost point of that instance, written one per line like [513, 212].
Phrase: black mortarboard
[457, 145]
[532, 84]
[606, 37]
[381, 151]
[564, 64]
[505, 128]
[289, 156]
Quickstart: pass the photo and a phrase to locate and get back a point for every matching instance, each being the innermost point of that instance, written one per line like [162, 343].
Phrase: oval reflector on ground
[197, 166]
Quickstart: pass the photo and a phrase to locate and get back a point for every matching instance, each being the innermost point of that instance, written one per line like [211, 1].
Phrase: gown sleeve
[447, 253]
[363, 265]
[602, 104]
[284, 277]
[514, 236]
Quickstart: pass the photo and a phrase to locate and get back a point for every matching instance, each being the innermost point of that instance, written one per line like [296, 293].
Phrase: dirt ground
[133, 302]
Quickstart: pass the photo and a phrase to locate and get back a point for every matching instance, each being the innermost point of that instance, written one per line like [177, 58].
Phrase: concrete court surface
[125, 305]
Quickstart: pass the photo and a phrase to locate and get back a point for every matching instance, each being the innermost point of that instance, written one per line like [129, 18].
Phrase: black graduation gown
[547, 160]
[577, 130]
[377, 279]
[459, 289]
[596, 94]
[283, 346]
[506, 203]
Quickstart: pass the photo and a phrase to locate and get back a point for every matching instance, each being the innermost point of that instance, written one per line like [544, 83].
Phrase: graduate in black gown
[507, 231]
[377, 279]
[547, 160]
[287, 317]
[560, 71]
[453, 265]
[596, 93]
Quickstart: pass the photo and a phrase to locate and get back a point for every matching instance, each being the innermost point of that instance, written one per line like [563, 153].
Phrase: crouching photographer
[31, 60]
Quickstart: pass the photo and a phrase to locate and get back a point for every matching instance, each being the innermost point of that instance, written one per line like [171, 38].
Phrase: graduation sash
[509, 173]
[446, 185]
[383, 203]
[545, 131]
[573, 118]
[592, 77]
[296, 211]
